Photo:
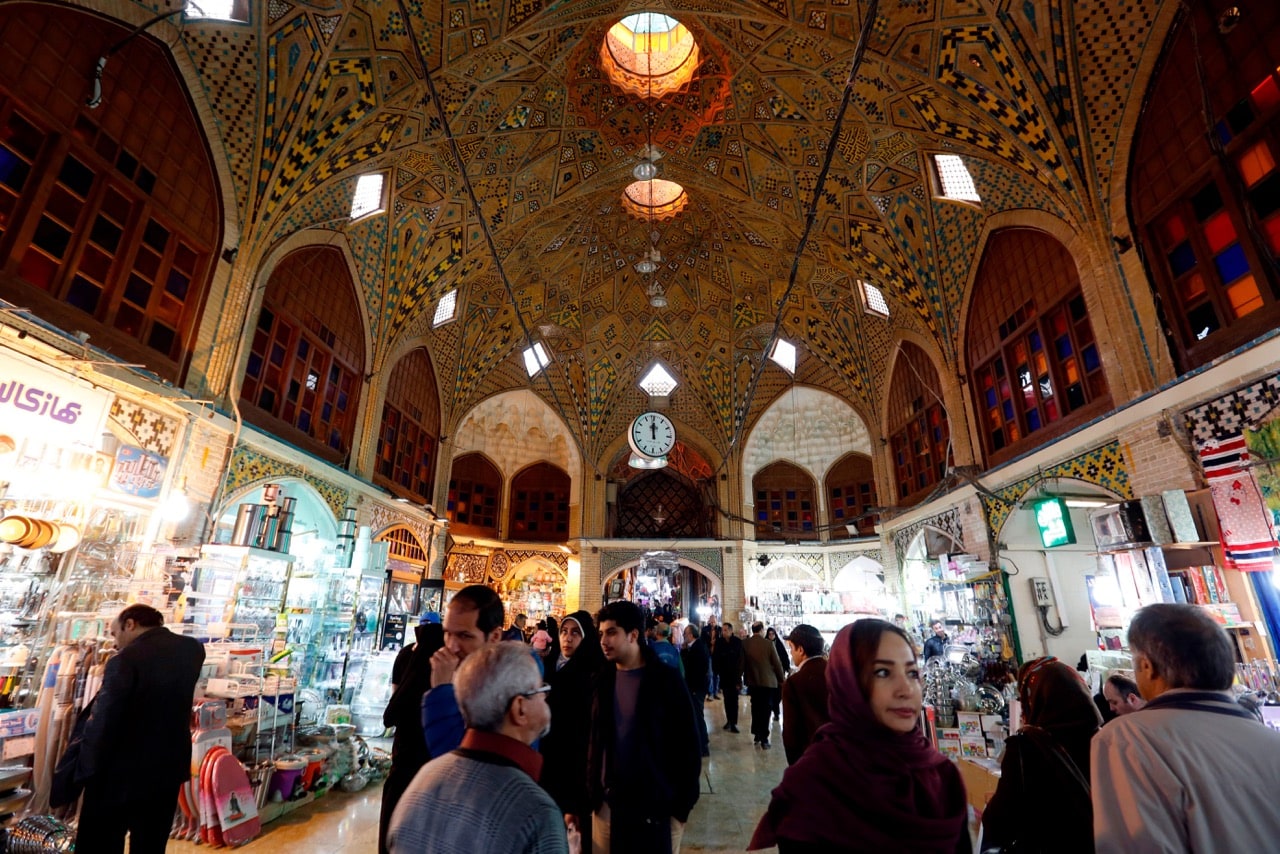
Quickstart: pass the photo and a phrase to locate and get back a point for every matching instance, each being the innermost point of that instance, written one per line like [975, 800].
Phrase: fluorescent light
[1088, 502]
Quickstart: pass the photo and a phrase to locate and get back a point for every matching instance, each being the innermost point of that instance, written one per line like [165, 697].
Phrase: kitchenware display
[15, 529]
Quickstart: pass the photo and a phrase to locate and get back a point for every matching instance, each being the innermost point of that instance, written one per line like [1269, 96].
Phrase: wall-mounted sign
[1053, 518]
[40, 402]
[138, 472]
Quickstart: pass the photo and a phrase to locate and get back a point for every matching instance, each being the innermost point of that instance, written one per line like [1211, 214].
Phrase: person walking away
[771, 635]
[869, 781]
[410, 679]
[764, 675]
[804, 694]
[1193, 771]
[572, 677]
[472, 621]
[728, 663]
[711, 637]
[1122, 695]
[484, 798]
[642, 764]
[664, 649]
[1047, 762]
[541, 638]
[697, 664]
[136, 750]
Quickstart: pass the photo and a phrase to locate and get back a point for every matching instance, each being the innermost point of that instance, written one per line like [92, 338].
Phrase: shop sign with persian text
[138, 472]
[39, 402]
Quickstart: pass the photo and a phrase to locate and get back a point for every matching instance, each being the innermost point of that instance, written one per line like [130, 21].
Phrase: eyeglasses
[545, 689]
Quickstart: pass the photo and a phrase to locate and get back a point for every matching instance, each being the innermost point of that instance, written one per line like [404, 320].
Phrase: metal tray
[12, 778]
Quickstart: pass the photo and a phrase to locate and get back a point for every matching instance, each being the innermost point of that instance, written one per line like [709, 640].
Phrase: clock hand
[653, 430]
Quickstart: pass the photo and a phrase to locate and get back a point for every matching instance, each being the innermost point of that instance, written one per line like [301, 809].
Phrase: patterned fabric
[1247, 540]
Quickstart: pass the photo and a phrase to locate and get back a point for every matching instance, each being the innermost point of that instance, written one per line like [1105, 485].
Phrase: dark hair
[625, 615]
[808, 639]
[542, 625]
[143, 616]
[899, 616]
[865, 638]
[757, 627]
[727, 625]
[1186, 648]
[1123, 684]
[477, 597]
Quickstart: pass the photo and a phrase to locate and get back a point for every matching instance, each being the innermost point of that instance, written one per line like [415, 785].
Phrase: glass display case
[240, 585]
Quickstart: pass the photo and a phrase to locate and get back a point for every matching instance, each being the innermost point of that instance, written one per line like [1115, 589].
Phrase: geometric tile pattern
[948, 521]
[305, 97]
[250, 466]
[1106, 466]
[712, 559]
[1228, 416]
[150, 430]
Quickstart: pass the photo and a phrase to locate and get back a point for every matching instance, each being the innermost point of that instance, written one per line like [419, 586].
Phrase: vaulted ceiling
[507, 151]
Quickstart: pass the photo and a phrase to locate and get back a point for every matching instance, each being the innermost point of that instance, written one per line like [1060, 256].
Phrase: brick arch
[304, 376]
[409, 429]
[475, 496]
[117, 225]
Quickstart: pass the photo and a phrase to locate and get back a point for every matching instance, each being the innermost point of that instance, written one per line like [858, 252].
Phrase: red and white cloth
[1247, 539]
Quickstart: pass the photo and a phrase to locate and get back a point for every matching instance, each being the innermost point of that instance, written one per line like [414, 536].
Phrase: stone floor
[736, 781]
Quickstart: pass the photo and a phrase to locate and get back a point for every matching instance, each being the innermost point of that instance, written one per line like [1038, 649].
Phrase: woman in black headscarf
[564, 749]
[410, 679]
[552, 653]
[785, 657]
[1046, 763]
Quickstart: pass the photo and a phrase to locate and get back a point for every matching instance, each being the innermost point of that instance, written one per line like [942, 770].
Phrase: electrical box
[1042, 592]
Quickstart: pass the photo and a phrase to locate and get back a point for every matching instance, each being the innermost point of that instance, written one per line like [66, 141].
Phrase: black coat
[137, 742]
[697, 664]
[564, 749]
[664, 782]
[729, 660]
[411, 676]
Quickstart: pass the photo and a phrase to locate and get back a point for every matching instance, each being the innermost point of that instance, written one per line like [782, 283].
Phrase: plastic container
[288, 770]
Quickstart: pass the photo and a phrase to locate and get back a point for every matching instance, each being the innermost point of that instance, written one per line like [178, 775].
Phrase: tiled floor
[736, 781]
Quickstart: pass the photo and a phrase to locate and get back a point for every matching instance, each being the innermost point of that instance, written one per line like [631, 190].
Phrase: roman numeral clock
[652, 434]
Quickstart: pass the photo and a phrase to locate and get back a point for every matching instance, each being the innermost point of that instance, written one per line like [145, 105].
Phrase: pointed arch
[475, 496]
[786, 502]
[409, 434]
[539, 504]
[917, 427]
[850, 490]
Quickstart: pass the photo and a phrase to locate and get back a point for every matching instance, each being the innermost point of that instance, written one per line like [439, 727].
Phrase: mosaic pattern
[557, 558]
[1106, 466]
[250, 466]
[306, 97]
[1227, 417]
[150, 430]
[948, 521]
[383, 517]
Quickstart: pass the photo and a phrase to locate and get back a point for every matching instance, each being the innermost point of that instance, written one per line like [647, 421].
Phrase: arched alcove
[539, 504]
[475, 496]
[786, 503]
[410, 430]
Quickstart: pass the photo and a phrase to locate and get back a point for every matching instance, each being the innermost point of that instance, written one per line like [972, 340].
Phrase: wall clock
[652, 434]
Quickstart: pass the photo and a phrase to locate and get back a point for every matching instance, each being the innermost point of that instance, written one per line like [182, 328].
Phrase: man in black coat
[136, 752]
[643, 762]
[728, 663]
[697, 666]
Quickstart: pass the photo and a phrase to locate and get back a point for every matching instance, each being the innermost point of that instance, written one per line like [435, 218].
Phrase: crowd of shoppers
[594, 742]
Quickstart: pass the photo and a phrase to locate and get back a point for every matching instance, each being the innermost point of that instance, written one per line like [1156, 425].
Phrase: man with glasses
[484, 797]
[644, 756]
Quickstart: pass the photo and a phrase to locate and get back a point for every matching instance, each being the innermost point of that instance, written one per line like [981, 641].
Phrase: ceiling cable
[454, 149]
[811, 215]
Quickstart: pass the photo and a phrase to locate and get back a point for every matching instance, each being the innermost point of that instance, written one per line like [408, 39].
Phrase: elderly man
[484, 797]
[1193, 771]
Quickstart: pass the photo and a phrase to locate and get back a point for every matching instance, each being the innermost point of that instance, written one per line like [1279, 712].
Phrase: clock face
[653, 434]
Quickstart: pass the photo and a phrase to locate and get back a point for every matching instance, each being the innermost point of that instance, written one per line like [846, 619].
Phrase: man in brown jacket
[763, 675]
[804, 694]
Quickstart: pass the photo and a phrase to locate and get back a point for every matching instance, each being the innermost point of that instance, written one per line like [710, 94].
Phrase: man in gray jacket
[1192, 771]
[484, 797]
[763, 675]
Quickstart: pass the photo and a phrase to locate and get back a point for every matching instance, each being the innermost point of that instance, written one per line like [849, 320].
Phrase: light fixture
[639, 461]
[659, 515]
[177, 505]
[646, 170]
[1087, 503]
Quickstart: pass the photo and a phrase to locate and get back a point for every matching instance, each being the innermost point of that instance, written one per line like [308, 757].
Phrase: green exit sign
[1054, 520]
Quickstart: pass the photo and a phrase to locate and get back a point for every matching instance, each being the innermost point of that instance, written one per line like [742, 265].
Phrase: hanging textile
[1247, 541]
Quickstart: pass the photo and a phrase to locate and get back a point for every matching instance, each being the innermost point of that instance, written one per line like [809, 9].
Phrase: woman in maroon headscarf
[1047, 762]
[869, 781]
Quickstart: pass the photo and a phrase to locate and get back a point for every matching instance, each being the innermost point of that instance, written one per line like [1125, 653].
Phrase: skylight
[873, 299]
[367, 198]
[658, 382]
[536, 358]
[446, 308]
[656, 199]
[649, 54]
[784, 353]
[218, 10]
[954, 176]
